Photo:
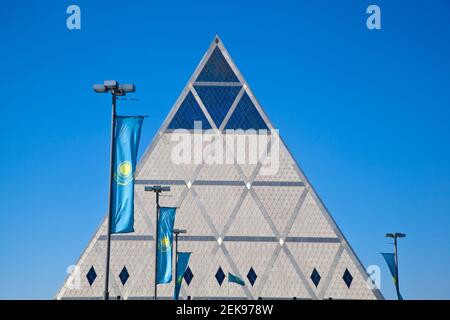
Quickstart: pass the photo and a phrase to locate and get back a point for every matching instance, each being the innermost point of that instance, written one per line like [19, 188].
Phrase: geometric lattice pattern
[271, 229]
[217, 100]
[245, 116]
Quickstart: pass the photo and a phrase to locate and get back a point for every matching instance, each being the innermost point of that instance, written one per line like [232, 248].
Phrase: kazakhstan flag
[165, 241]
[128, 131]
[390, 261]
[235, 279]
[182, 263]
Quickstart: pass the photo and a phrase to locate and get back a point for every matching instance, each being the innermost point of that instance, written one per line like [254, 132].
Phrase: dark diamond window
[217, 69]
[315, 277]
[246, 116]
[187, 114]
[91, 275]
[348, 278]
[188, 275]
[251, 276]
[124, 275]
[220, 275]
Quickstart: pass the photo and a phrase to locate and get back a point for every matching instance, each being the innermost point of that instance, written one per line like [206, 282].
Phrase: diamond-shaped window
[315, 277]
[91, 275]
[251, 276]
[220, 276]
[188, 275]
[348, 278]
[124, 275]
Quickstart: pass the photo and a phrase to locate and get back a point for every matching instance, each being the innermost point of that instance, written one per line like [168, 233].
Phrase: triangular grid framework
[237, 219]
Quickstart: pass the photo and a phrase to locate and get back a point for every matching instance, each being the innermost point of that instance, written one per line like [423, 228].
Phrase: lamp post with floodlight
[157, 190]
[176, 232]
[395, 236]
[113, 87]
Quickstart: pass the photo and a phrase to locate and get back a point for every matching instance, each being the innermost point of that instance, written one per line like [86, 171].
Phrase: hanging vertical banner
[182, 264]
[390, 261]
[165, 244]
[127, 134]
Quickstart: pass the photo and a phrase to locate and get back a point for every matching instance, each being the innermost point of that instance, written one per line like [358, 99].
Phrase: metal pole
[156, 243]
[397, 286]
[111, 177]
[176, 257]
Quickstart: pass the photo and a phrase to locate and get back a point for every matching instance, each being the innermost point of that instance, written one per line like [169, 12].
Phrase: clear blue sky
[365, 113]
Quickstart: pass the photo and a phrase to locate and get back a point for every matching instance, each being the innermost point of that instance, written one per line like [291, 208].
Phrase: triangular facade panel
[358, 286]
[311, 221]
[248, 221]
[246, 116]
[188, 113]
[280, 203]
[217, 100]
[218, 212]
[217, 69]
[249, 256]
[268, 227]
[283, 281]
[319, 256]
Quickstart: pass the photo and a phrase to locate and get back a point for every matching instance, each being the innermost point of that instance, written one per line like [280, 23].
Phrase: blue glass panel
[246, 116]
[217, 100]
[188, 112]
[217, 69]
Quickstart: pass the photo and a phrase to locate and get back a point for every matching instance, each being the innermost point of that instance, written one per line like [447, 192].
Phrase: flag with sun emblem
[182, 264]
[127, 134]
[165, 241]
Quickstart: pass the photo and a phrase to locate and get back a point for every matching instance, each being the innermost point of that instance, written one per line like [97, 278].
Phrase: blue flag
[390, 260]
[235, 279]
[182, 263]
[165, 242]
[127, 133]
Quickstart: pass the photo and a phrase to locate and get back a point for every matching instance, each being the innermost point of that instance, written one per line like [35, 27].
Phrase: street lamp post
[176, 233]
[113, 87]
[395, 236]
[157, 190]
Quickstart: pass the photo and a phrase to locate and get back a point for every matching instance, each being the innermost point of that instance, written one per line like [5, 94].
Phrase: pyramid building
[268, 228]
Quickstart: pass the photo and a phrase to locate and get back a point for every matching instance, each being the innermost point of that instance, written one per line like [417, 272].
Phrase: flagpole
[115, 89]
[157, 190]
[176, 256]
[395, 236]
[177, 232]
[156, 244]
[397, 285]
[111, 177]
